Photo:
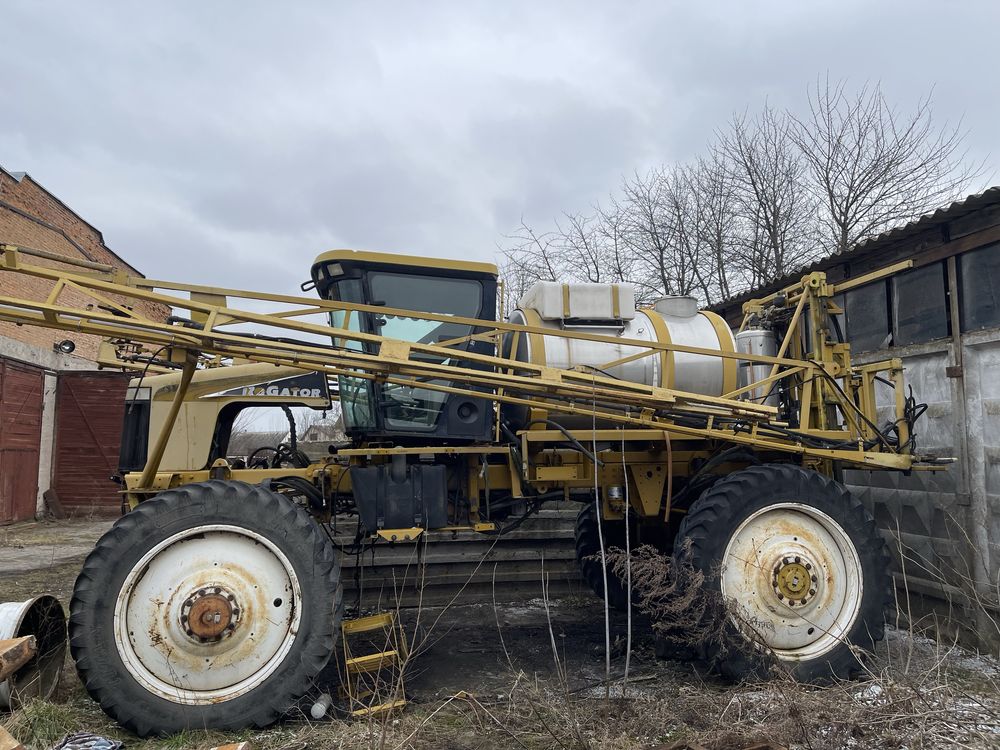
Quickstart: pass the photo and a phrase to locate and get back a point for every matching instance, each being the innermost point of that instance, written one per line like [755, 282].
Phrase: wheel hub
[796, 577]
[793, 580]
[209, 614]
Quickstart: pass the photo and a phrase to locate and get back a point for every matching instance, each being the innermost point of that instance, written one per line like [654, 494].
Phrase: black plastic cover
[419, 500]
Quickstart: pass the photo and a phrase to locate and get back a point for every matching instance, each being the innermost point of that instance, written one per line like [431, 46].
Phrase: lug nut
[814, 579]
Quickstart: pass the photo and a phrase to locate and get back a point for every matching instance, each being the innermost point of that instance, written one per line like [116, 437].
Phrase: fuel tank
[757, 341]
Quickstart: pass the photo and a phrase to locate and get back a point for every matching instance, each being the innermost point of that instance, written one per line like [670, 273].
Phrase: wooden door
[20, 438]
[90, 408]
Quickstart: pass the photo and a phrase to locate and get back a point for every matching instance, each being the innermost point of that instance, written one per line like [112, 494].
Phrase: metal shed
[942, 318]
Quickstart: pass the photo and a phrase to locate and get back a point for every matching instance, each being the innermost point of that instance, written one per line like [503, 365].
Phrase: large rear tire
[795, 572]
[210, 606]
[588, 554]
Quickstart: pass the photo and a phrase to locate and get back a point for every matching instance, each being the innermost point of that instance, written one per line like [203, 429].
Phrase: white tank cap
[680, 306]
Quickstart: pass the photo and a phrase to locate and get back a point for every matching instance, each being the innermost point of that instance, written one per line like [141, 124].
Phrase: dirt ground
[530, 674]
[44, 557]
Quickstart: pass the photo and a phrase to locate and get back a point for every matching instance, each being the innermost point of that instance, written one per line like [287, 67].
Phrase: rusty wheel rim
[794, 577]
[207, 614]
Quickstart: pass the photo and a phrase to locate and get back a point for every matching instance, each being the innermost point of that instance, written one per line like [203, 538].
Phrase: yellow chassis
[837, 399]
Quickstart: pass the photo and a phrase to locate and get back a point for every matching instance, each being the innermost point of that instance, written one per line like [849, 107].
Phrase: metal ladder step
[372, 662]
[366, 624]
[365, 676]
[380, 708]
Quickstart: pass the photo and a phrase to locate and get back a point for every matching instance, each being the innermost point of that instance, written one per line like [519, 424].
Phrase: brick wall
[33, 217]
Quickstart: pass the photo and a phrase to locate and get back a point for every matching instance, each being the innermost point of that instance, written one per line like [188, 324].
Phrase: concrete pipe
[43, 618]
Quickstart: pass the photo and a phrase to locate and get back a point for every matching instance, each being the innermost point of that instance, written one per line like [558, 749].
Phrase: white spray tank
[609, 310]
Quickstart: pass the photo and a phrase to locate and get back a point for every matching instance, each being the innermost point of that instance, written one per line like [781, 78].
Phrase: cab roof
[367, 256]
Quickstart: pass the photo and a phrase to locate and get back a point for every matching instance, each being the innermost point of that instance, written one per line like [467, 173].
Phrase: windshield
[405, 407]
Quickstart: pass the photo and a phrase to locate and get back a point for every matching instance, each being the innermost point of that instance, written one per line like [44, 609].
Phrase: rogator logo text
[274, 390]
[309, 386]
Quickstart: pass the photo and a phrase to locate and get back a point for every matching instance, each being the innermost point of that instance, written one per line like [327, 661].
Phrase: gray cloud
[231, 142]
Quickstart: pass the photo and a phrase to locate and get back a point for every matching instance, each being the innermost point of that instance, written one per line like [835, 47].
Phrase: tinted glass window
[433, 294]
[409, 406]
[979, 272]
[867, 317]
[920, 305]
[356, 400]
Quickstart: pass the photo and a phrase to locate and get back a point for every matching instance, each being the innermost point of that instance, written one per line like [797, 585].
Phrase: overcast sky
[231, 142]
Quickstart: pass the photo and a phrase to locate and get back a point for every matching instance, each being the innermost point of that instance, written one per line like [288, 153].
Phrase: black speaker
[469, 417]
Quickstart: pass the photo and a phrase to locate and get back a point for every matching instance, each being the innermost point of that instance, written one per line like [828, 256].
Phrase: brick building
[60, 416]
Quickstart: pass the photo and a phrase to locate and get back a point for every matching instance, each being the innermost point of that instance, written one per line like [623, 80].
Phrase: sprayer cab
[383, 286]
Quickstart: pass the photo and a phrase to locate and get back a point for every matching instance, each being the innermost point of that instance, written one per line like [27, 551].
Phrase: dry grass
[920, 694]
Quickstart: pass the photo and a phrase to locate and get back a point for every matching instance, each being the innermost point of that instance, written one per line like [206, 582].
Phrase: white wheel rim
[239, 582]
[796, 580]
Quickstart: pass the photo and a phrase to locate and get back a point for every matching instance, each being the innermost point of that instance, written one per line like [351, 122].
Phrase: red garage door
[89, 411]
[20, 435]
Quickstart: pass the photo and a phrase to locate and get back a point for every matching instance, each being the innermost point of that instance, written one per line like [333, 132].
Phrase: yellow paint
[367, 256]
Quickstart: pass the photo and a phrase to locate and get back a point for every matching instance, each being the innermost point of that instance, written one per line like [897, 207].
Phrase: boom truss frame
[837, 418]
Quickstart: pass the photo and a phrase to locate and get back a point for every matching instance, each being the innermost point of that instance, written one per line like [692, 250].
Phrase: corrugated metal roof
[943, 215]
[967, 205]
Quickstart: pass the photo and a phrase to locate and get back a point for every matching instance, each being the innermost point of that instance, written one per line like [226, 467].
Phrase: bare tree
[871, 167]
[533, 255]
[580, 247]
[720, 225]
[767, 173]
[611, 229]
[774, 193]
[646, 232]
[662, 235]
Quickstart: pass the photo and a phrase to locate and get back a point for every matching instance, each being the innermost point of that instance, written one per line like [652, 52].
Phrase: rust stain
[155, 636]
[249, 610]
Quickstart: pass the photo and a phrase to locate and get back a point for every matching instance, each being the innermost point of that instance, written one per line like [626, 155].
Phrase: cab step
[372, 683]
[381, 708]
[372, 662]
[380, 621]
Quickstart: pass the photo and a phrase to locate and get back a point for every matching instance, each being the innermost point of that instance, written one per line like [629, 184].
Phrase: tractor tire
[588, 555]
[210, 606]
[796, 575]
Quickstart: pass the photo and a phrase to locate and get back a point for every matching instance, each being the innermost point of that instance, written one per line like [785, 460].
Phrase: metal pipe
[156, 455]
[48, 255]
